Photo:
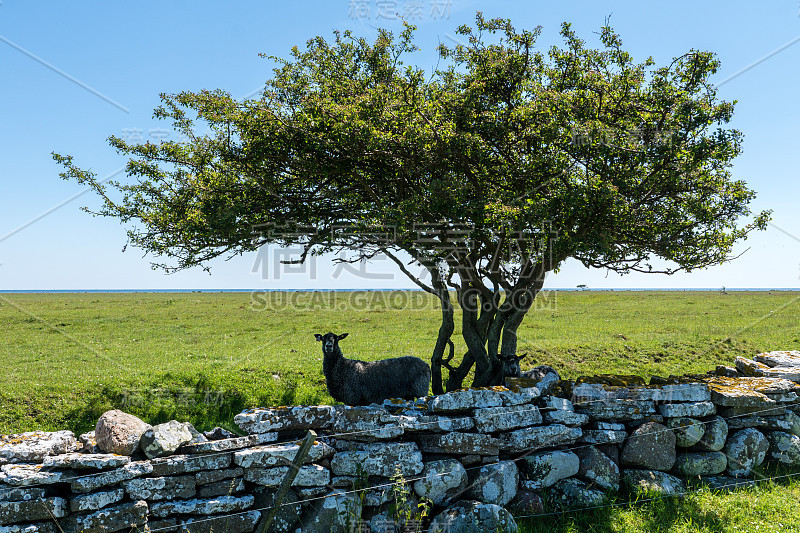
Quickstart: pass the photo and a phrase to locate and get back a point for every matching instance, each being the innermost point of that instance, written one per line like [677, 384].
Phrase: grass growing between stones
[203, 357]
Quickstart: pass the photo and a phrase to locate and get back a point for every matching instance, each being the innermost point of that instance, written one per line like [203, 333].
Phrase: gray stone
[223, 504]
[465, 400]
[568, 418]
[729, 392]
[96, 500]
[86, 461]
[779, 358]
[186, 464]
[413, 422]
[93, 482]
[224, 445]
[525, 503]
[603, 436]
[544, 469]
[333, 514]
[597, 468]
[233, 523]
[118, 432]
[379, 460]
[723, 483]
[161, 488]
[688, 431]
[651, 446]
[30, 527]
[367, 423]
[538, 437]
[459, 444]
[219, 433]
[288, 513]
[307, 476]
[164, 439]
[120, 517]
[225, 487]
[692, 464]
[300, 417]
[694, 409]
[574, 493]
[784, 448]
[88, 443]
[26, 475]
[683, 392]
[617, 410]
[714, 436]
[279, 454]
[522, 396]
[34, 446]
[494, 419]
[613, 426]
[745, 449]
[653, 481]
[473, 517]
[14, 512]
[496, 483]
[13, 494]
[212, 476]
[441, 481]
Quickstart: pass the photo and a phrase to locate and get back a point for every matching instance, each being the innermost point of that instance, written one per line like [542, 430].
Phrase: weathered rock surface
[651, 446]
[307, 476]
[333, 514]
[225, 487]
[745, 450]
[184, 464]
[473, 517]
[26, 475]
[683, 392]
[617, 410]
[223, 504]
[96, 500]
[442, 481]
[496, 483]
[603, 436]
[89, 483]
[525, 503]
[538, 437]
[14, 512]
[784, 448]
[213, 476]
[161, 488]
[688, 431]
[460, 444]
[574, 493]
[20, 494]
[416, 421]
[495, 419]
[232, 523]
[692, 464]
[299, 417]
[35, 446]
[597, 468]
[118, 432]
[120, 517]
[367, 423]
[715, 432]
[465, 400]
[379, 460]
[653, 481]
[288, 513]
[86, 461]
[164, 439]
[544, 469]
[279, 454]
[231, 444]
[694, 409]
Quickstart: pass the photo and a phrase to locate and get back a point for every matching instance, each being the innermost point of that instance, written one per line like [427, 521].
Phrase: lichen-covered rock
[219, 433]
[603, 436]
[521, 396]
[714, 435]
[465, 400]
[416, 421]
[561, 411]
[745, 450]
[35, 446]
[279, 454]
[15, 512]
[86, 461]
[213, 476]
[95, 500]
[185, 464]
[26, 475]
[546, 468]
[693, 409]
[784, 448]
[573, 493]
[473, 517]
[617, 410]
[653, 481]
[441, 480]
[367, 423]
[682, 392]
[597, 468]
[30, 527]
[232, 444]
[88, 443]
[494, 419]
[120, 517]
[538, 437]
[161, 488]
[119, 432]
[21, 494]
[496, 483]
[651, 446]
[688, 431]
[692, 464]
[379, 460]
[225, 487]
[730, 392]
[164, 439]
[223, 504]
[229, 523]
[288, 513]
[459, 444]
[525, 503]
[307, 476]
[334, 514]
[84, 484]
[300, 417]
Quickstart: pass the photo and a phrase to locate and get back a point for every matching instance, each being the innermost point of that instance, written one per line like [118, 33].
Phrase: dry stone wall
[478, 457]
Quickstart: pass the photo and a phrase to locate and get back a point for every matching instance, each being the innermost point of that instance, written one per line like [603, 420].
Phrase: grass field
[203, 357]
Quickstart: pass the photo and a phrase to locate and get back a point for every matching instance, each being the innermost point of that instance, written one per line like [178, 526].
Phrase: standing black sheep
[361, 383]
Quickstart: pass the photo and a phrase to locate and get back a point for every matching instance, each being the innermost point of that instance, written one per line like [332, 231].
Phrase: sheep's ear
[521, 357]
[318, 336]
[342, 336]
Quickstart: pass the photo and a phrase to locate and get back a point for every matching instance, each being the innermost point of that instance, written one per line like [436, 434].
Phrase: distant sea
[112, 291]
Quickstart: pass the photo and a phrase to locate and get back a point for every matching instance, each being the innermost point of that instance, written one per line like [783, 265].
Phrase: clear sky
[74, 73]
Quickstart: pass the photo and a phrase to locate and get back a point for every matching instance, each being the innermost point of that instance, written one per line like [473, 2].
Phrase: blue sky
[75, 73]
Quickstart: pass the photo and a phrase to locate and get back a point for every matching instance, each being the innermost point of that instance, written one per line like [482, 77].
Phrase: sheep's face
[511, 366]
[330, 342]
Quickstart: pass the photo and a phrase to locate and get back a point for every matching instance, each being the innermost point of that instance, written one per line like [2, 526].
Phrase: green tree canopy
[489, 173]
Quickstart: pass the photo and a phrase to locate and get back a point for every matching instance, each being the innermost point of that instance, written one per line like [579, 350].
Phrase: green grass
[203, 357]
